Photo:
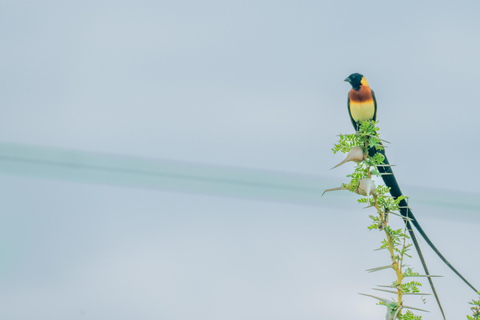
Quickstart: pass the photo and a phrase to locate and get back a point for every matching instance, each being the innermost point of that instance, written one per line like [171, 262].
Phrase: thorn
[369, 207]
[379, 249]
[395, 292]
[386, 165]
[425, 276]
[379, 268]
[407, 307]
[385, 286]
[418, 293]
[380, 299]
[389, 291]
[369, 135]
[334, 189]
[405, 218]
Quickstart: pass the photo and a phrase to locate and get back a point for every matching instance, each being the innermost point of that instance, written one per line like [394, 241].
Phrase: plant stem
[395, 263]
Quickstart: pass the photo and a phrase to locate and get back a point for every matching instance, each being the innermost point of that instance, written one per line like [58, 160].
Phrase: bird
[362, 106]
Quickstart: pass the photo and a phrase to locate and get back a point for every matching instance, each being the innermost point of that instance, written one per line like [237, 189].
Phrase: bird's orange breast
[362, 105]
[364, 94]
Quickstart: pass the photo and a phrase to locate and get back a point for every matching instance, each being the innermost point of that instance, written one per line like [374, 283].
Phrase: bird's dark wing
[375, 103]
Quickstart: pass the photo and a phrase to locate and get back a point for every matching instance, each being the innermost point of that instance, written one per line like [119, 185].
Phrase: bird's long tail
[391, 182]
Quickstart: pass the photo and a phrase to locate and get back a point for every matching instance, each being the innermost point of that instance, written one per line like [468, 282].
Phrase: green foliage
[409, 316]
[377, 159]
[369, 130]
[392, 307]
[390, 203]
[411, 287]
[406, 248]
[384, 244]
[376, 221]
[373, 162]
[409, 272]
[368, 133]
[360, 173]
[347, 142]
[475, 309]
[397, 237]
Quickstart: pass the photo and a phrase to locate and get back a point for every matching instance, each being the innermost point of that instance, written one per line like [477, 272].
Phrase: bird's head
[357, 80]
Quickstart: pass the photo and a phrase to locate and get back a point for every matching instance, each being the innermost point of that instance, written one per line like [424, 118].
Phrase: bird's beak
[348, 80]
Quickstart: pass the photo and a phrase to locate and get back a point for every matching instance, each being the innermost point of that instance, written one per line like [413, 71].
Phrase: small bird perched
[362, 106]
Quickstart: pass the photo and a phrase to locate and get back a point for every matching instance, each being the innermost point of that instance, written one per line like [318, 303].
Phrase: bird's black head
[355, 80]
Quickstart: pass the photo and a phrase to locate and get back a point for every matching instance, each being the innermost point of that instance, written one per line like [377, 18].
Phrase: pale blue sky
[252, 84]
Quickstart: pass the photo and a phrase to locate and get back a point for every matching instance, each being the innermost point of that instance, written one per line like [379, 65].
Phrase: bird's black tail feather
[406, 211]
[391, 182]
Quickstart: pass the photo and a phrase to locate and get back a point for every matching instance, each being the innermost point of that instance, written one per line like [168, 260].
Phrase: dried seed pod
[355, 154]
[366, 187]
